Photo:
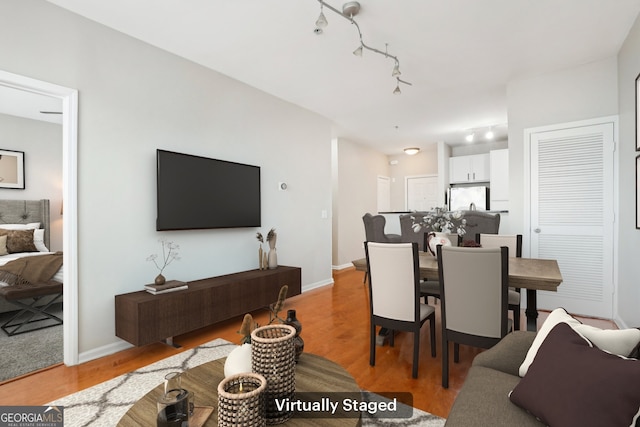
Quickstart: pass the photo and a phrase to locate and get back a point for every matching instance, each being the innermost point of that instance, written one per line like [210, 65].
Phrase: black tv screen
[198, 192]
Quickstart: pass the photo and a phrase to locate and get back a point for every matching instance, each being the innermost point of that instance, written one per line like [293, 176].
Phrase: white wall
[579, 93]
[134, 98]
[356, 183]
[628, 266]
[41, 143]
[423, 163]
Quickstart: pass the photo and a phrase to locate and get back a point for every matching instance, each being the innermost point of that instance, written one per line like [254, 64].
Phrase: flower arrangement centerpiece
[439, 221]
[169, 254]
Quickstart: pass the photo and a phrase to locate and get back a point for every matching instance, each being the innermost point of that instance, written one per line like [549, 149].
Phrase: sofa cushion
[484, 401]
[590, 387]
[616, 341]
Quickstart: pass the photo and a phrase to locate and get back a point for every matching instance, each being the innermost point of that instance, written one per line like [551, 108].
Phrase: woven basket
[273, 356]
[241, 400]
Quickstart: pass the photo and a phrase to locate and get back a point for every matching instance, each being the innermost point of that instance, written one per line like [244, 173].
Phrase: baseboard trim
[105, 350]
[317, 285]
[342, 266]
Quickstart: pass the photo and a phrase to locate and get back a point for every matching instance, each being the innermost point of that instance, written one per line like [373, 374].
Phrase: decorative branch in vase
[272, 256]
[169, 254]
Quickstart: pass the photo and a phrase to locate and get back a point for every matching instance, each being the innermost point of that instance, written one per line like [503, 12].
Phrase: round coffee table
[313, 373]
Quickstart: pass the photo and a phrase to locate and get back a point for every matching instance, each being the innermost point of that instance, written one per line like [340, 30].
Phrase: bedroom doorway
[69, 98]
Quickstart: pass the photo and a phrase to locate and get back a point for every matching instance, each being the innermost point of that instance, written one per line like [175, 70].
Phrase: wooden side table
[313, 373]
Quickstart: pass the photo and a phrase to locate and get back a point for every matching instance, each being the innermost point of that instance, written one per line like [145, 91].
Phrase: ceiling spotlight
[411, 151]
[489, 134]
[396, 70]
[469, 137]
[397, 91]
[358, 51]
[321, 22]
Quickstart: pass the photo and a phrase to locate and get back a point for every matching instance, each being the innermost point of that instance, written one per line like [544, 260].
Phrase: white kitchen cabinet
[474, 168]
[499, 194]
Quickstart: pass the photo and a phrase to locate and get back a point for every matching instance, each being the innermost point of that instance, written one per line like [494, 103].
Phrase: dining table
[531, 274]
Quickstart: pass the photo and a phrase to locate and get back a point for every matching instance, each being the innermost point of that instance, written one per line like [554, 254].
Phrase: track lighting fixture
[487, 131]
[349, 10]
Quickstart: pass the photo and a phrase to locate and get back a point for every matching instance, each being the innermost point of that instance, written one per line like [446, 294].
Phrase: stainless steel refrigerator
[469, 198]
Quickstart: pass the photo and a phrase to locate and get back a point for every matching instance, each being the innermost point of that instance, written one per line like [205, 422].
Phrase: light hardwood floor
[335, 323]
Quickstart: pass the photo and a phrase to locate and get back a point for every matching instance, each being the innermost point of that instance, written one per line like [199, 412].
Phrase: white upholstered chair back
[474, 290]
[392, 275]
[511, 241]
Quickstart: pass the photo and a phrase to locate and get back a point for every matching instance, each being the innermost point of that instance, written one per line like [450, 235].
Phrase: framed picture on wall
[11, 169]
[638, 192]
[638, 113]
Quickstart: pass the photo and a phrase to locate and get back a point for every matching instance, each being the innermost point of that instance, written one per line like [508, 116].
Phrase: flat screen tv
[198, 192]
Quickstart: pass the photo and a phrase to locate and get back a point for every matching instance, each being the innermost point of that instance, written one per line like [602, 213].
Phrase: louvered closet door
[572, 215]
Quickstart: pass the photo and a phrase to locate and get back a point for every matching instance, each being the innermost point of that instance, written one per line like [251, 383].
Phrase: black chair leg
[372, 346]
[445, 362]
[416, 353]
[456, 352]
[432, 327]
[516, 318]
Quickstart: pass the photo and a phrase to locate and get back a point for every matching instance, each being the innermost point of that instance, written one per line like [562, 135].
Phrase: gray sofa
[484, 397]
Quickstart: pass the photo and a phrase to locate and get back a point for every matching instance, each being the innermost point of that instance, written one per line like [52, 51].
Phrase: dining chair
[374, 232]
[431, 288]
[394, 295]
[473, 299]
[514, 243]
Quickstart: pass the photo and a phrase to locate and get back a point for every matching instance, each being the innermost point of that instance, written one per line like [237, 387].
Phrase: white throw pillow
[38, 240]
[29, 226]
[615, 341]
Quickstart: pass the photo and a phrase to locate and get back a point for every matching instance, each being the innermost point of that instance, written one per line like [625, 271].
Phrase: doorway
[571, 211]
[421, 192]
[69, 98]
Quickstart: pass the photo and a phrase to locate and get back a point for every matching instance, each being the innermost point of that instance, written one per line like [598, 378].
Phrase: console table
[143, 318]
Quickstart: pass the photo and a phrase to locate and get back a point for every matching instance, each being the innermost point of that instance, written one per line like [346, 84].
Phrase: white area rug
[104, 404]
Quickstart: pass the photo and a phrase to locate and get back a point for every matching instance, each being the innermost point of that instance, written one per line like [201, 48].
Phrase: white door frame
[69, 98]
[526, 250]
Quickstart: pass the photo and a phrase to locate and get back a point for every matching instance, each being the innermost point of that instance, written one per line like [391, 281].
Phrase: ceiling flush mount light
[349, 10]
[411, 151]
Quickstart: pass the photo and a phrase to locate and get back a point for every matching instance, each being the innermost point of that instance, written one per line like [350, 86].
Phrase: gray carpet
[104, 404]
[30, 351]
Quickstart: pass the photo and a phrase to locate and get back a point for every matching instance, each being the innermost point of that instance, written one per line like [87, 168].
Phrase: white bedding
[10, 257]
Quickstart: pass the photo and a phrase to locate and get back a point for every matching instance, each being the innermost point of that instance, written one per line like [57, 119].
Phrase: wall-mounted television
[198, 192]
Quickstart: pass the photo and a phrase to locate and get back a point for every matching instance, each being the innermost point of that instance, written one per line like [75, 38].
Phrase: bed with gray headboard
[25, 216]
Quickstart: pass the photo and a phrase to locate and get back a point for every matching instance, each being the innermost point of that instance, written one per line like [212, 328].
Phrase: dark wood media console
[143, 318]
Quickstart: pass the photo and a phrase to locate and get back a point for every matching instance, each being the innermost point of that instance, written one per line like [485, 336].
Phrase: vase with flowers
[438, 223]
[169, 254]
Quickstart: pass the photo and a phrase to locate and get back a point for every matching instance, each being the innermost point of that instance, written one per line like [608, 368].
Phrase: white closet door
[572, 214]
[421, 192]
